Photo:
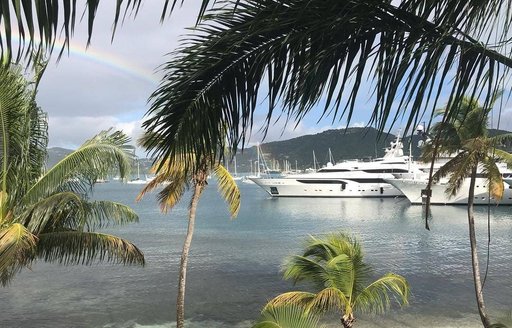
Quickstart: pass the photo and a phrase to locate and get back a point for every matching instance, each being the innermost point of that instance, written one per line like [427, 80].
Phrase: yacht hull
[339, 188]
[413, 190]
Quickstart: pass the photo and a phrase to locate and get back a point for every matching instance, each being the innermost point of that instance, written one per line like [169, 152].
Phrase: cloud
[505, 120]
[108, 84]
[72, 132]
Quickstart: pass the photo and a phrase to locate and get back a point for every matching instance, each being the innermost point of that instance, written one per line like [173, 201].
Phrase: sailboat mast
[258, 152]
[314, 161]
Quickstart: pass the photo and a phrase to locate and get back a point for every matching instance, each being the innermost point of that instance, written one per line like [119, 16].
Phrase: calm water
[234, 264]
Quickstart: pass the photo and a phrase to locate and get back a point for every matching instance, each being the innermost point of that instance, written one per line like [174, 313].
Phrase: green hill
[350, 143]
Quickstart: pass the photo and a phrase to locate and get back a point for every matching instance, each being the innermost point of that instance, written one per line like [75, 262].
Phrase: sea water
[234, 266]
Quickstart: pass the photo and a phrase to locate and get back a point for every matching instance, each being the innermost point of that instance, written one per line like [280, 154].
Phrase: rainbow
[103, 58]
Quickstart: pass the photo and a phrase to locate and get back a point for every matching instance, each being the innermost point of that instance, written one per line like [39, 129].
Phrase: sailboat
[138, 179]
[236, 177]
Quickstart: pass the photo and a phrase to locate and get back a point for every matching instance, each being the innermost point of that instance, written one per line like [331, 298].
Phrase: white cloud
[72, 132]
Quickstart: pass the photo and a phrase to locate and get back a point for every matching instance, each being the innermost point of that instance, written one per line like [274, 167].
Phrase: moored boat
[416, 190]
[346, 179]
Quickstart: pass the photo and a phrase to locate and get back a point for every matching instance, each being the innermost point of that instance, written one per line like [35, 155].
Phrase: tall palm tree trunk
[180, 302]
[474, 255]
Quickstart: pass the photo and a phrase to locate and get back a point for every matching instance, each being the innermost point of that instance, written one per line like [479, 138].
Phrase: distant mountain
[55, 154]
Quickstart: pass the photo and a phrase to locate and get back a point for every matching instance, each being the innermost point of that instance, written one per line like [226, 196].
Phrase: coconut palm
[467, 135]
[47, 215]
[334, 266]
[287, 316]
[176, 181]
[307, 53]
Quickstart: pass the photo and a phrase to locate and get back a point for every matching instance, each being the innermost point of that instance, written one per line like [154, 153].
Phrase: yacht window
[273, 191]
[332, 170]
[386, 171]
[321, 181]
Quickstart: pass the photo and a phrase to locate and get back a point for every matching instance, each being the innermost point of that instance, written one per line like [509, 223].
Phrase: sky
[108, 83]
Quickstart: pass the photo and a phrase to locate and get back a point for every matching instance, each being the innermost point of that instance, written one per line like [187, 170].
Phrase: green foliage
[334, 266]
[287, 316]
[176, 180]
[46, 214]
[468, 137]
[301, 54]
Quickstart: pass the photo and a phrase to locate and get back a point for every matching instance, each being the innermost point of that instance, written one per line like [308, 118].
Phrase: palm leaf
[17, 245]
[52, 212]
[101, 214]
[286, 316]
[172, 176]
[503, 155]
[494, 178]
[14, 120]
[330, 299]
[69, 211]
[320, 53]
[296, 298]
[376, 299]
[96, 158]
[228, 189]
[74, 247]
[300, 268]
[49, 16]
[459, 167]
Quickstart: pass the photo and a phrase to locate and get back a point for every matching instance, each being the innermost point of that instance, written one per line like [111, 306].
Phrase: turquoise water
[234, 264]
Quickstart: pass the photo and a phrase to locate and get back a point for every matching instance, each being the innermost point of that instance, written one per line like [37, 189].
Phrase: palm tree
[335, 268]
[467, 135]
[46, 215]
[287, 316]
[177, 180]
[304, 51]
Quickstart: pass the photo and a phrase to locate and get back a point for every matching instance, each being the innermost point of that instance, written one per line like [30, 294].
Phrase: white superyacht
[346, 179]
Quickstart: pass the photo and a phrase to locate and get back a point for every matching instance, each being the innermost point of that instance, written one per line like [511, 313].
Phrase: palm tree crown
[47, 214]
[467, 137]
[334, 266]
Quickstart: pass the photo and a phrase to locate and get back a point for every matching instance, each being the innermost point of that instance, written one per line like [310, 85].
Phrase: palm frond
[228, 189]
[14, 123]
[376, 297]
[68, 210]
[296, 298]
[101, 214]
[494, 178]
[300, 268]
[74, 247]
[52, 212]
[286, 316]
[38, 22]
[17, 246]
[448, 141]
[330, 299]
[458, 168]
[310, 51]
[503, 155]
[96, 158]
[175, 180]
